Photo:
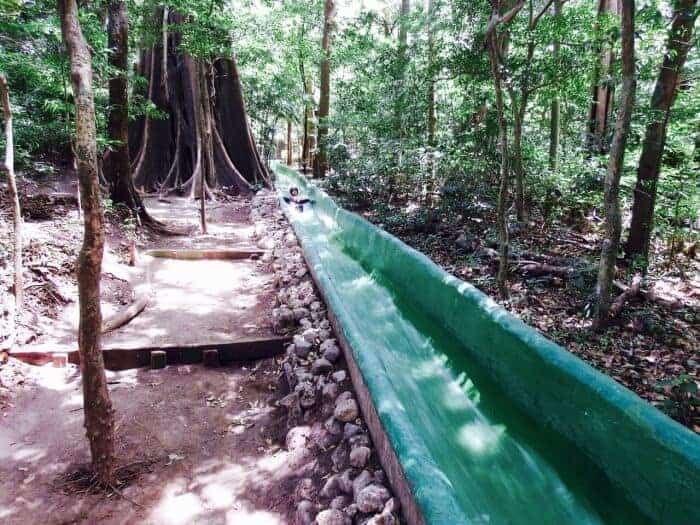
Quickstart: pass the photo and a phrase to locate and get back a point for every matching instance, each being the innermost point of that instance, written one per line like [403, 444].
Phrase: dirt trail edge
[275, 441]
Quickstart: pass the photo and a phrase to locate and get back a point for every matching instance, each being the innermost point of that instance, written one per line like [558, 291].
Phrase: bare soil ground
[194, 445]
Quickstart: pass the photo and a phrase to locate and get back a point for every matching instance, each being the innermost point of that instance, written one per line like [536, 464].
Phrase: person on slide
[294, 198]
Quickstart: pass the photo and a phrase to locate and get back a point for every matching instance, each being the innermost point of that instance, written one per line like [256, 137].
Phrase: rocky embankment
[343, 484]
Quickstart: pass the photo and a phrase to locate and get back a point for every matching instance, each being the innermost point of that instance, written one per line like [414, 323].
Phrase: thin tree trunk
[555, 117]
[602, 91]
[518, 168]
[204, 124]
[290, 148]
[9, 168]
[432, 118]
[613, 219]
[99, 414]
[665, 91]
[321, 160]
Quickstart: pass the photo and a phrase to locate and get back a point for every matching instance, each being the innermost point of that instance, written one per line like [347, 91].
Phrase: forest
[168, 199]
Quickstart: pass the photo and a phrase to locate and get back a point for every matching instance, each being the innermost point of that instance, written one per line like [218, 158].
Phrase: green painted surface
[492, 422]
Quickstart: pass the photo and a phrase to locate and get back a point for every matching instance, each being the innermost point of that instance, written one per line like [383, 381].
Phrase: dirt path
[205, 442]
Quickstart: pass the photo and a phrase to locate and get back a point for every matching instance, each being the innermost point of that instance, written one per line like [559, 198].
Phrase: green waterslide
[491, 422]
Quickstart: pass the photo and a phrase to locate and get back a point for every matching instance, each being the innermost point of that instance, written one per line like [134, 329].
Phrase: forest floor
[252, 443]
[652, 347]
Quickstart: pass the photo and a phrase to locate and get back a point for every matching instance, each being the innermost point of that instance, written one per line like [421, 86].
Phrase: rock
[351, 510]
[330, 391]
[331, 352]
[300, 313]
[372, 498]
[340, 457]
[310, 335]
[302, 347]
[345, 483]
[297, 437]
[321, 366]
[301, 272]
[339, 376]
[385, 518]
[359, 456]
[304, 513]
[345, 409]
[392, 506]
[333, 426]
[315, 306]
[305, 489]
[302, 374]
[290, 240]
[345, 395]
[340, 502]
[290, 401]
[307, 394]
[359, 440]
[351, 429]
[360, 482]
[379, 476]
[331, 488]
[266, 243]
[332, 517]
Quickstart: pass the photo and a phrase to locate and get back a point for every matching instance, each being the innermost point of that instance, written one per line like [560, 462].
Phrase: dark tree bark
[168, 152]
[290, 147]
[494, 49]
[679, 43]
[613, 219]
[321, 160]
[99, 414]
[602, 90]
[9, 169]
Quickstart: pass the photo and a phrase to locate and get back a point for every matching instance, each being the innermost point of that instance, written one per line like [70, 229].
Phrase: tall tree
[495, 57]
[97, 405]
[555, 116]
[432, 117]
[321, 160]
[116, 165]
[602, 89]
[613, 219]
[680, 40]
[8, 167]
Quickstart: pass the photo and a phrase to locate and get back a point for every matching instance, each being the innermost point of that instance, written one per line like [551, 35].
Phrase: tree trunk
[9, 168]
[206, 143]
[168, 152]
[116, 163]
[495, 59]
[665, 91]
[602, 91]
[321, 160]
[613, 220]
[99, 414]
[290, 148]
[432, 118]
[554, 123]
[518, 168]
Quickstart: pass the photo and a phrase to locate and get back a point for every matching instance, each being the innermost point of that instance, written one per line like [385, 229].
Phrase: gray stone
[321, 366]
[379, 476]
[340, 502]
[307, 394]
[304, 514]
[359, 456]
[332, 517]
[331, 487]
[310, 335]
[333, 426]
[385, 518]
[330, 391]
[300, 313]
[302, 347]
[372, 498]
[351, 510]
[392, 506]
[360, 482]
[332, 353]
[297, 437]
[339, 376]
[345, 482]
[340, 457]
[345, 409]
[351, 429]
[359, 440]
[305, 489]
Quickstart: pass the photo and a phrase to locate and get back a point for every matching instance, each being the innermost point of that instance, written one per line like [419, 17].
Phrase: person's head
[294, 191]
